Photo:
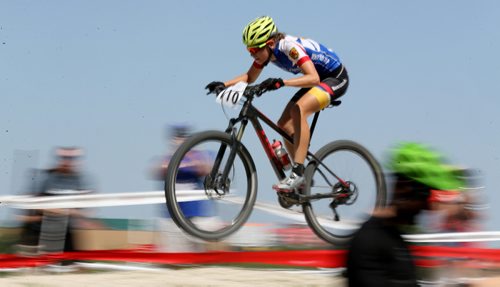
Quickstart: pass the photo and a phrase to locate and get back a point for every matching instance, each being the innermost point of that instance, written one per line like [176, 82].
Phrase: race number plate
[231, 96]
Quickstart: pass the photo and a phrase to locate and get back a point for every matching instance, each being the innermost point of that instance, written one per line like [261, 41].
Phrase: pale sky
[110, 75]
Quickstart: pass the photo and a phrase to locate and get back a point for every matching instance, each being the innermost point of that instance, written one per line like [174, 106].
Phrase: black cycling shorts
[335, 84]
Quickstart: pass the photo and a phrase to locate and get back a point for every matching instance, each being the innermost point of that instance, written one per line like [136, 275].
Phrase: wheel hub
[218, 187]
[345, 193]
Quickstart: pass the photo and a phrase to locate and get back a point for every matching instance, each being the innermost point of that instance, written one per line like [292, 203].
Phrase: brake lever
[259, 91]
[251, 91]
[215, 92]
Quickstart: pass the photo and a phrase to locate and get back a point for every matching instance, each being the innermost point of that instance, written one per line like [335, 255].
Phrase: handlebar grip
[259, 91]
[251, 91]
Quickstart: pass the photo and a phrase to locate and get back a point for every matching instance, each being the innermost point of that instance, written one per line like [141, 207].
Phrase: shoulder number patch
[294, 54]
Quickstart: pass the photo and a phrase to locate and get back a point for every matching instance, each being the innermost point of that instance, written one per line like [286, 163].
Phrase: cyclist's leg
[309, 101]
[308, 104]
[316, 99]
[285, 122]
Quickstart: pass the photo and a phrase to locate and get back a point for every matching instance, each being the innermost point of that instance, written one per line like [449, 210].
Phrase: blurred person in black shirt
[51, 229]
[378, 255]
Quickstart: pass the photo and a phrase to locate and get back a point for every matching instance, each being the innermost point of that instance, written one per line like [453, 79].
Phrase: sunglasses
[254, 50]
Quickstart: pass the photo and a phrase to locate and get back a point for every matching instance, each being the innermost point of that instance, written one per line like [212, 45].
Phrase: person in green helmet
[378, 255]
[323, 78]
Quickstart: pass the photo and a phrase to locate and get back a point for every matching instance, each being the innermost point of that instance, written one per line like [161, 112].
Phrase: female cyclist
[323, 79]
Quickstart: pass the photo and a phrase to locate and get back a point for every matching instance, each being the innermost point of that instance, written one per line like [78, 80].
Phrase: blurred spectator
[456, 210]
[176, 134]
[378, 255]
[50, 230]
[190, 176]
[466, 215]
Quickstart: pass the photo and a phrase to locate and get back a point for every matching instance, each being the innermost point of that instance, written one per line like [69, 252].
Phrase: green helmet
[257, 32]
[423, 165]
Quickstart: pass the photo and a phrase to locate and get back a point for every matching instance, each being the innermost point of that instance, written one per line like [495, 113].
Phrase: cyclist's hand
[215, 87]
[272, 84]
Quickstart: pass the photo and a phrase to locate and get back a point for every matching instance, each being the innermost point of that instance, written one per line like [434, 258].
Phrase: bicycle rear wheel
[343, 206]
[202, 202]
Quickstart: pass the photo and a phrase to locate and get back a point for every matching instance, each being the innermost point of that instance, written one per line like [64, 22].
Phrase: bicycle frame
[255, 116]
[252, 114]
[233, 180]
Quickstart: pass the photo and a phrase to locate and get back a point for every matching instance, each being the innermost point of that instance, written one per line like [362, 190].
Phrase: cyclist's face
[259, 54]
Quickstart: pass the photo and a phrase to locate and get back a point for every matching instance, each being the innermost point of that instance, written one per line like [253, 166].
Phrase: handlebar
[258, 90]
[250, 91]
[254, 90]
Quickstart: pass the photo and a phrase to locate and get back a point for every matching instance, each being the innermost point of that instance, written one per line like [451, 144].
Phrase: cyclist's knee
[286, 125]
[296, 111]
[282, 122]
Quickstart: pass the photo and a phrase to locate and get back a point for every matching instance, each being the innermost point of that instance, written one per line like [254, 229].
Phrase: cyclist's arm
[310, 77]
[249, 77]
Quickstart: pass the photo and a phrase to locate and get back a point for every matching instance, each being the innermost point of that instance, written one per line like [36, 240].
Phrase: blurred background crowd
[53, 230]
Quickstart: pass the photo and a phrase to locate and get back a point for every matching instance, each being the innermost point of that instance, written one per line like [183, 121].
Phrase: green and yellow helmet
[257, 32]
[418, 162]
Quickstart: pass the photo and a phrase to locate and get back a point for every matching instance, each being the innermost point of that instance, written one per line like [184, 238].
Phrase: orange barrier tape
[427, 256]
[302, 258]
[457, 252]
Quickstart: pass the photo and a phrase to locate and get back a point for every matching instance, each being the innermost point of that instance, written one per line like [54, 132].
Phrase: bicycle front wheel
[210, 185]
[345, 183]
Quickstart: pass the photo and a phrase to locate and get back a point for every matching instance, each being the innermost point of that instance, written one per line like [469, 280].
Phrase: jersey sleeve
[295, 52]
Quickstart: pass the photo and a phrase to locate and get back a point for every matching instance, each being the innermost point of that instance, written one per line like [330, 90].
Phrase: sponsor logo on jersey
[294, 54]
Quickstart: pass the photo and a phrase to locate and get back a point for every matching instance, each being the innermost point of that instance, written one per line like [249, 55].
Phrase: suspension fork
[235, 145]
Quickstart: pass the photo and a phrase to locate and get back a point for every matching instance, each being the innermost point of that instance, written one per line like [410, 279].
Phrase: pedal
[277, 189]
[290, 191]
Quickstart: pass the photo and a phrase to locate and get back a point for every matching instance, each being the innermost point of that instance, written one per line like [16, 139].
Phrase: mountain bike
[343, 180]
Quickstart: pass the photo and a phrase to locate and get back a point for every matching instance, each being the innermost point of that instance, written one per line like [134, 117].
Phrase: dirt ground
[199, 276]
[192, 276]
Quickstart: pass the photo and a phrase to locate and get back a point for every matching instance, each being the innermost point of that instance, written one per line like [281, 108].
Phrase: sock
[298, 169]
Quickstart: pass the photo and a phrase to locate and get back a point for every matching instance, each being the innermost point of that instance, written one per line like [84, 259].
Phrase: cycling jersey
[291, 52]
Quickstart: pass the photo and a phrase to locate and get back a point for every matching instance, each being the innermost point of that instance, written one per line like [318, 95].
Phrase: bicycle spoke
[352, 168]
[325, 178]
[210, 167]
[355, 188]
